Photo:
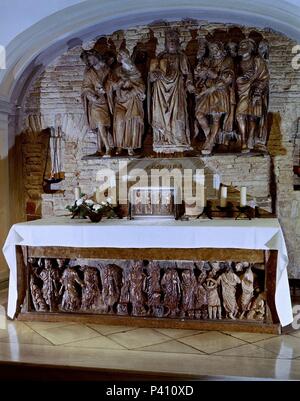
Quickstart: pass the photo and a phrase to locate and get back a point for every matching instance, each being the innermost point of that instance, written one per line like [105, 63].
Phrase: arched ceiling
[19, 15]
[36, 31]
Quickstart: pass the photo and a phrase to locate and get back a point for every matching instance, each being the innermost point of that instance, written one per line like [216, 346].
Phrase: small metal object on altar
[245, 212]
[227, 210]
[153, 202]
[207, 211]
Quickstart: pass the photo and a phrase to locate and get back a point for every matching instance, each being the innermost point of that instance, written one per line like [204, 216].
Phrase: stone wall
[54, 100]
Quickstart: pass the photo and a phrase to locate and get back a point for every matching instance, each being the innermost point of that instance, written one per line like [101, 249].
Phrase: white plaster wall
[18, 15]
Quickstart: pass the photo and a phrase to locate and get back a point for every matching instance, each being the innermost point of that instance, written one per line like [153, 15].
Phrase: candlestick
[77, 193]
[223, 201]
[243, 197]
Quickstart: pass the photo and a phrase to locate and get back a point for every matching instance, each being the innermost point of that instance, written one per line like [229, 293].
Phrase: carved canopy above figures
[210, 95]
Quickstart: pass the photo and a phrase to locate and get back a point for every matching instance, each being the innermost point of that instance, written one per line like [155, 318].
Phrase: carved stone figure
[50, 277]
[95, 101]
[229, 132]
[213, 299]
[215, 97]
[71, 299]
[62, 263]
[200, 77]
[247, 291]
[171, 78]
[110, 286]
[91, 296]
[262, 136]
[122, 307]
[229, 280]
[170, 284]
[189, 288]
[128, 96]
[201, 297]
[153, 290]
[252, 88]
[258, 308]
[137, 289]
[232, 49]
[37, 296]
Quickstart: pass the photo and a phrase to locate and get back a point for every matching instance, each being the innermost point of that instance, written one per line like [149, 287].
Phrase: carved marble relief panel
[177, 104]
[163, 289]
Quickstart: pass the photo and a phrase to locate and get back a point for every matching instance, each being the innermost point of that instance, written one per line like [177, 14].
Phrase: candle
[216, 182]
[202, 196]
[243, 197]
[200, 188]
[223, 202]
[77, 193]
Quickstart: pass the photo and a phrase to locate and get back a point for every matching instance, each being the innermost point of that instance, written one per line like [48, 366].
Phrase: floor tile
[295, 333]
[96, 342]
[196, 364]
[3, 322]
[38, 326]
[248, 350]
[212, 341]
[284, 346]
[18, 332]
[68, 334]
[178, 333]
[139, 338]
[3, 297]
[250, 337]
[106, 329]
[171, 346]
[15, 327]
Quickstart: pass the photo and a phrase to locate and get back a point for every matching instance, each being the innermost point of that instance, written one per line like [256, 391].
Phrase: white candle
[202, 196]
[243, 196]
[200, 188]
[77, 192]
[223, 202]
[216, 182]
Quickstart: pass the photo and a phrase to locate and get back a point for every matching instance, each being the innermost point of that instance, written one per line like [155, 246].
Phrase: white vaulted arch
[40, 43]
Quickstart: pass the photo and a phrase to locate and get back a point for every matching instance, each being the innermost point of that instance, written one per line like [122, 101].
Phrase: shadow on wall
[275, 146]
[36, 165]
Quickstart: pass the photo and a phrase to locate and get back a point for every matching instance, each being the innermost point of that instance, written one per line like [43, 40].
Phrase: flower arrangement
[85, 207]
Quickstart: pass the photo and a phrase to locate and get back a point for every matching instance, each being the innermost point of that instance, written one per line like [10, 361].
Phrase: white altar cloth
[159, 233]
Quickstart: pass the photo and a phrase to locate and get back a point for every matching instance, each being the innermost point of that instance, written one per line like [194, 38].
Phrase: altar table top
[153, 233]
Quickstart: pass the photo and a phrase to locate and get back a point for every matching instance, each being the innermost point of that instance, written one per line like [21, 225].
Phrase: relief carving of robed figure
[95, 100]
[252, 88]
[169, 81]
[214, 78]
[128, 93]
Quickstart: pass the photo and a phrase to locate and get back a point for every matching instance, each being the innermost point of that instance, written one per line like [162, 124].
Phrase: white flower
[109, 200]
[97, 207]
[79, 202]
[89, 202]
[252, 204]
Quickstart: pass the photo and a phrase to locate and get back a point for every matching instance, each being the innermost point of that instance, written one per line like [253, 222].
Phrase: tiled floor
[151, 350]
